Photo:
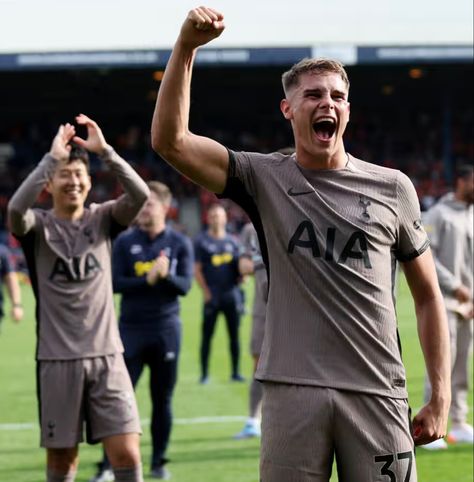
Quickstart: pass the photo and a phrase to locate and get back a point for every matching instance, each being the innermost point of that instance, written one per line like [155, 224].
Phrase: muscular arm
[431, 422]
[201, 159]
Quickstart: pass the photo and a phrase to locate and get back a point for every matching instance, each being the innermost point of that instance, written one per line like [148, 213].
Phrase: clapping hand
[159, 270]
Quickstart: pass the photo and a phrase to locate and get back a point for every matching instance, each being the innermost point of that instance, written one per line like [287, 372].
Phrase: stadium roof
[94, 33]
[348, 54]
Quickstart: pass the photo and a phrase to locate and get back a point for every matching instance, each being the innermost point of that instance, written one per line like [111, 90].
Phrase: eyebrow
[66, 170]
[319, 90]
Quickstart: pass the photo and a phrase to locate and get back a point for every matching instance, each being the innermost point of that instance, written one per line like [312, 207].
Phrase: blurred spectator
[217, 274]
[449, 225]
[412, 143]
[9, 277]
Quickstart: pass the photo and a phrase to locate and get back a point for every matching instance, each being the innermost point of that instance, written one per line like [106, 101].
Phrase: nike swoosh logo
[298, 193]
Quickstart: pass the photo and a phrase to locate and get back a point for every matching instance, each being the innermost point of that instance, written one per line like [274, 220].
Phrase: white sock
[255, 422]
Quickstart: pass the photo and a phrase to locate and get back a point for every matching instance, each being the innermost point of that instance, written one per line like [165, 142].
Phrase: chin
[74, 205]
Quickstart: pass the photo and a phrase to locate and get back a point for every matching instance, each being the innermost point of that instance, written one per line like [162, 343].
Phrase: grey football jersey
[329, 239]
[70, 263]
[73, 284]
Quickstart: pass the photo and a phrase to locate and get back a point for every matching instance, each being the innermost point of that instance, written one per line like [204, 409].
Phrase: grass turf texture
[201, 450]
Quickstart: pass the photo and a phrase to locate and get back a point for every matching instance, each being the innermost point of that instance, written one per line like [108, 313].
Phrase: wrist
[105, 152]
[441, 399]
[150, 280]
[17, 305]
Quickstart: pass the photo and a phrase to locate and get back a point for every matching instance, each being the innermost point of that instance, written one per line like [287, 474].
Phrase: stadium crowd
[417, 146]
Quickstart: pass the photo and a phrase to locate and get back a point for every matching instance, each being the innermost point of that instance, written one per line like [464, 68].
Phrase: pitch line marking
[11, 427]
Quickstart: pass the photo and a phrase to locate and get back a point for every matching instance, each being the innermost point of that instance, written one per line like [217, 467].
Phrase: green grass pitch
[206, 417]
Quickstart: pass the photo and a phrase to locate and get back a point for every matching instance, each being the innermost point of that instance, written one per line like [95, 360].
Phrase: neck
[217, 232]
[71, 215]
[325, 160]
[155, 229]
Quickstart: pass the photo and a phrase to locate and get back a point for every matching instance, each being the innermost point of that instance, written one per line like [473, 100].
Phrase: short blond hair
[161, 191]
[291, 77]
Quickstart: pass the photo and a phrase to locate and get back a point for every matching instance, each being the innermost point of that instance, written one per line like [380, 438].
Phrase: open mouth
[324, 129]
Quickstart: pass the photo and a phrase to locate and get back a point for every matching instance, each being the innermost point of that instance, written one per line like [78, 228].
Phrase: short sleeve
[240, 175]
[412, 240]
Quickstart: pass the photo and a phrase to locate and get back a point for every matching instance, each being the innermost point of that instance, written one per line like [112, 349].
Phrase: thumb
[79, 141]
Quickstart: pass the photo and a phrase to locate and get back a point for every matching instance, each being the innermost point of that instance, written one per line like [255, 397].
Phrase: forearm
[181, 280]
[180, 285]
[434, 339]
[170, 122]
[20, 218]
[128, 285]
[136, 190]
[13, 288]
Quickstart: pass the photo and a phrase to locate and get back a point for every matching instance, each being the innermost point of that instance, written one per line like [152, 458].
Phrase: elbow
[165, 149]
[183, 287]
[167, 146]
[160, 143]
[157, 143]
[187, 287]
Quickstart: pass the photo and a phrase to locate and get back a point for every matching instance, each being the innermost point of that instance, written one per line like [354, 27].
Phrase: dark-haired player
[9, 277]
[152, 268]
[330, 227]
[82, 378]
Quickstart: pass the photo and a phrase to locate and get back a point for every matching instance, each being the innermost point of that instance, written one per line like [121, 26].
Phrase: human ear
[286, 109]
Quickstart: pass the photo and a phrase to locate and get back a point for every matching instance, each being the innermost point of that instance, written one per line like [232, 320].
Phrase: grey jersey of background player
[449, 224]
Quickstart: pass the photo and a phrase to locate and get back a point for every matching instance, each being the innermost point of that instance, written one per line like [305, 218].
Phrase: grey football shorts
[305, 427]
[93, 392]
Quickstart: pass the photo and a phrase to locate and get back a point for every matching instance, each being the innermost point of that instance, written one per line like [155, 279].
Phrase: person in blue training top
[217, 273]
[152, 267]
[9, 277]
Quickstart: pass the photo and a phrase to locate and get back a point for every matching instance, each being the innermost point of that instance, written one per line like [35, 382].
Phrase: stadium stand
[416, 118]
